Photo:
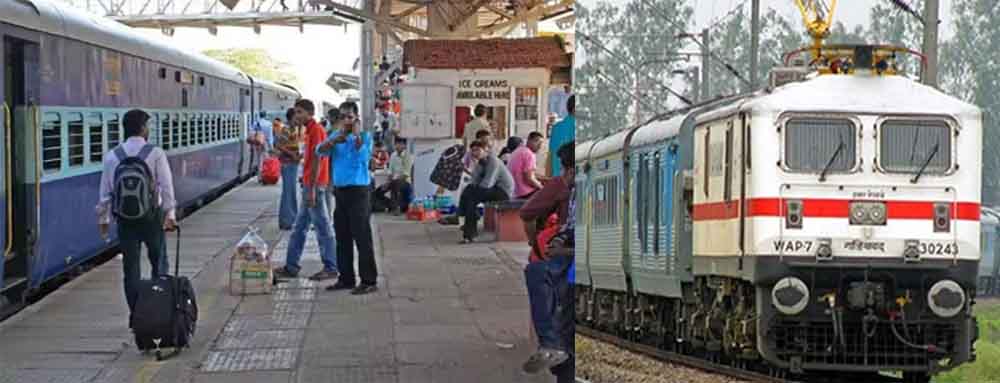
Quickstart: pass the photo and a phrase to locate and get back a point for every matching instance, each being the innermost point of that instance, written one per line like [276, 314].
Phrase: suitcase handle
[177, 252]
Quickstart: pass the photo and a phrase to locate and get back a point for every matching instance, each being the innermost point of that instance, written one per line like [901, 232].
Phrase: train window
[201, 80]
[198, 129]
[51, 142]
[185, 130]
[177, 76]
[166, 131]
[905, 145]
[114, 130]
[613, 201]
[163, 73]
[642, 193]
[184, 98]
[657, 203]
[75, 123]
[811, 143]
[218, 128]
[95, 129]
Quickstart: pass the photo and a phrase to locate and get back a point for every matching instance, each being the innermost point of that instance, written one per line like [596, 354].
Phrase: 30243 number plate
[937, 248]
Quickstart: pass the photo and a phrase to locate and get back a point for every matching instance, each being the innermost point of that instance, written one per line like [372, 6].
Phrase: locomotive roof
[989, 216]
[609, 144]
[582, 150]
[658, 130]
[861, 93]
[72, 23]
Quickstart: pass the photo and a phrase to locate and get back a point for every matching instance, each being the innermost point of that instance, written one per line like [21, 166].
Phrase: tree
[892, 25]
[255, 62]
[970, 70]
[633, 53]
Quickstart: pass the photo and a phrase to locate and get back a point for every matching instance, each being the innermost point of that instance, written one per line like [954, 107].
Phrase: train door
[717, 199]
[20, 87]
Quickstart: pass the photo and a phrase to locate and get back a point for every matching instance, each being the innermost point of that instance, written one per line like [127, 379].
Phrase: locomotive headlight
[946, 298]
[867, 213]
[790, 295]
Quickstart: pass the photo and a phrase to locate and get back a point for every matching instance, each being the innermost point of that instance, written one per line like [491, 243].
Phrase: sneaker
[544, 359]
[364, 289]
[340, 286]
[283, 273]
[324, 275]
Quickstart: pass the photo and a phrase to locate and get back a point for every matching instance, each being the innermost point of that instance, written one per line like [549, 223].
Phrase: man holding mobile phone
[351, 151]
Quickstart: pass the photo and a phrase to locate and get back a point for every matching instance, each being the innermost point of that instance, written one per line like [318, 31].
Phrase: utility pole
[367, 75]
[754, 43]
[931, 42]
[705, 59]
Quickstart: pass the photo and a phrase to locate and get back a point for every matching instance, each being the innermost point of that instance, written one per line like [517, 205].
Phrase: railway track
[672, 357]
[721, 369]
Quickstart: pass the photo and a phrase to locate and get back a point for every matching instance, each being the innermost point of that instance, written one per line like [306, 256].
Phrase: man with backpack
[137, 189]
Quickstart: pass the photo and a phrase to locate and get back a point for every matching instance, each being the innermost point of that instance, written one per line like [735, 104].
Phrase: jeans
[547, 289]
[352, 222]
[131, 236]
[308, 216]
[472, 196]
[289, 206]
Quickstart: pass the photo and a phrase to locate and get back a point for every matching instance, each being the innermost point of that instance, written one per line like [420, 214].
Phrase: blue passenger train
[68, 77]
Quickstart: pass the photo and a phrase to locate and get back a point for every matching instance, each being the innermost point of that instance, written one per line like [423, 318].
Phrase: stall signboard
[482, 89]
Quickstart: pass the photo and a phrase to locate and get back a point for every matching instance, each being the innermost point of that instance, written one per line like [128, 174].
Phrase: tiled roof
[540, 52]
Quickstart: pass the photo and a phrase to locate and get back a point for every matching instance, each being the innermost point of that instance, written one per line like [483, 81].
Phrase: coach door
[20, 87]
[717, 214]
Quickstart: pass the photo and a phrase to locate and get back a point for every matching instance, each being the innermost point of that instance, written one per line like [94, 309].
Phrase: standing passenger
[474, 126]
[313, 209]
[351, 150]
[132, 166]
[287, 149]
[335, 124]
[562, 132]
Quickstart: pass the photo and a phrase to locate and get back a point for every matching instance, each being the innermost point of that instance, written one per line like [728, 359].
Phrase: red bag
[270, 171]
[544, 236]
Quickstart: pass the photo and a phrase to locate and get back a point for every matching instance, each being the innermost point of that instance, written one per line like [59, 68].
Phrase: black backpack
[133, 196]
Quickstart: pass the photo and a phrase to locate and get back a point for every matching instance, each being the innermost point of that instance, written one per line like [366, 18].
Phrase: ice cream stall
[446, 79]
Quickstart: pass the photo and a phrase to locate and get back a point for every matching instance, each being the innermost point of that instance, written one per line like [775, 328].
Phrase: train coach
[68, 78]
[827, 223]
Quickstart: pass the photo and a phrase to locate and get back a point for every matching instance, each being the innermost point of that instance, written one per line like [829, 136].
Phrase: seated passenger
[400, 168]
[490, 182]
[522, 165]
[546, 275]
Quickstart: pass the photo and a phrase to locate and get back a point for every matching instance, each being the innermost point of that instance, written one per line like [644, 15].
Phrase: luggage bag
[166, 312]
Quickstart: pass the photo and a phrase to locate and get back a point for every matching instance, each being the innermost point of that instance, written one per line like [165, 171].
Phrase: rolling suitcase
[166, 312]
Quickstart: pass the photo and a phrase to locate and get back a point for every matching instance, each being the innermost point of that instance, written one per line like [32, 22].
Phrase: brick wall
[545, 52]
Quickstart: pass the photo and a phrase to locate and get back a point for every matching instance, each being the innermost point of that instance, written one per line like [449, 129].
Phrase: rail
[673, 357]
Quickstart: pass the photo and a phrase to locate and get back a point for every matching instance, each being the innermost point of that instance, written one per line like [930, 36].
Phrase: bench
[504, 219]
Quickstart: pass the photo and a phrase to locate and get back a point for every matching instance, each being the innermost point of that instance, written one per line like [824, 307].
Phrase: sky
[849, 12]
[312, 55]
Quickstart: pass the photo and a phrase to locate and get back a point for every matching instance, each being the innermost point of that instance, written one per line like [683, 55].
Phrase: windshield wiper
[840, 148]
[926, 162]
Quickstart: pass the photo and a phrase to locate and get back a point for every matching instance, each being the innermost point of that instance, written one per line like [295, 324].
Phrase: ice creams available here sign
[483, 90]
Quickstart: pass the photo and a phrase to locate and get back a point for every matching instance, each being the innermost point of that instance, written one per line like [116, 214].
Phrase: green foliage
[255, 62]
[985, 368]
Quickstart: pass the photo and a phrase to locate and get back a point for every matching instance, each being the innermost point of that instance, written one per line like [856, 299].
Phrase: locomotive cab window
[813, 145]
[907, 146]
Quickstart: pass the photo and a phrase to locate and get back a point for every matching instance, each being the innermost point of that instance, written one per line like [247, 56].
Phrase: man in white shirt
[474, 126]
[161, 217]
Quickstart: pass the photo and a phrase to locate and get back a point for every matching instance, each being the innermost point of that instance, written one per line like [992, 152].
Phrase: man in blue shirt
[351, 150]
[562, 132]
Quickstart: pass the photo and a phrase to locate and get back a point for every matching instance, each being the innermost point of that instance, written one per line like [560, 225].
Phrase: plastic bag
[250, 266]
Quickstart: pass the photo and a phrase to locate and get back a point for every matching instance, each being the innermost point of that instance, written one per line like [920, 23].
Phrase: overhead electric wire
[716, 22]
[906, 8]
[710, 53]
[634, 67]
[637, 98]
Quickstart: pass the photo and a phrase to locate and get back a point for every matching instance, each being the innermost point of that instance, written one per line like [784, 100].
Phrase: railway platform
[444, 313]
